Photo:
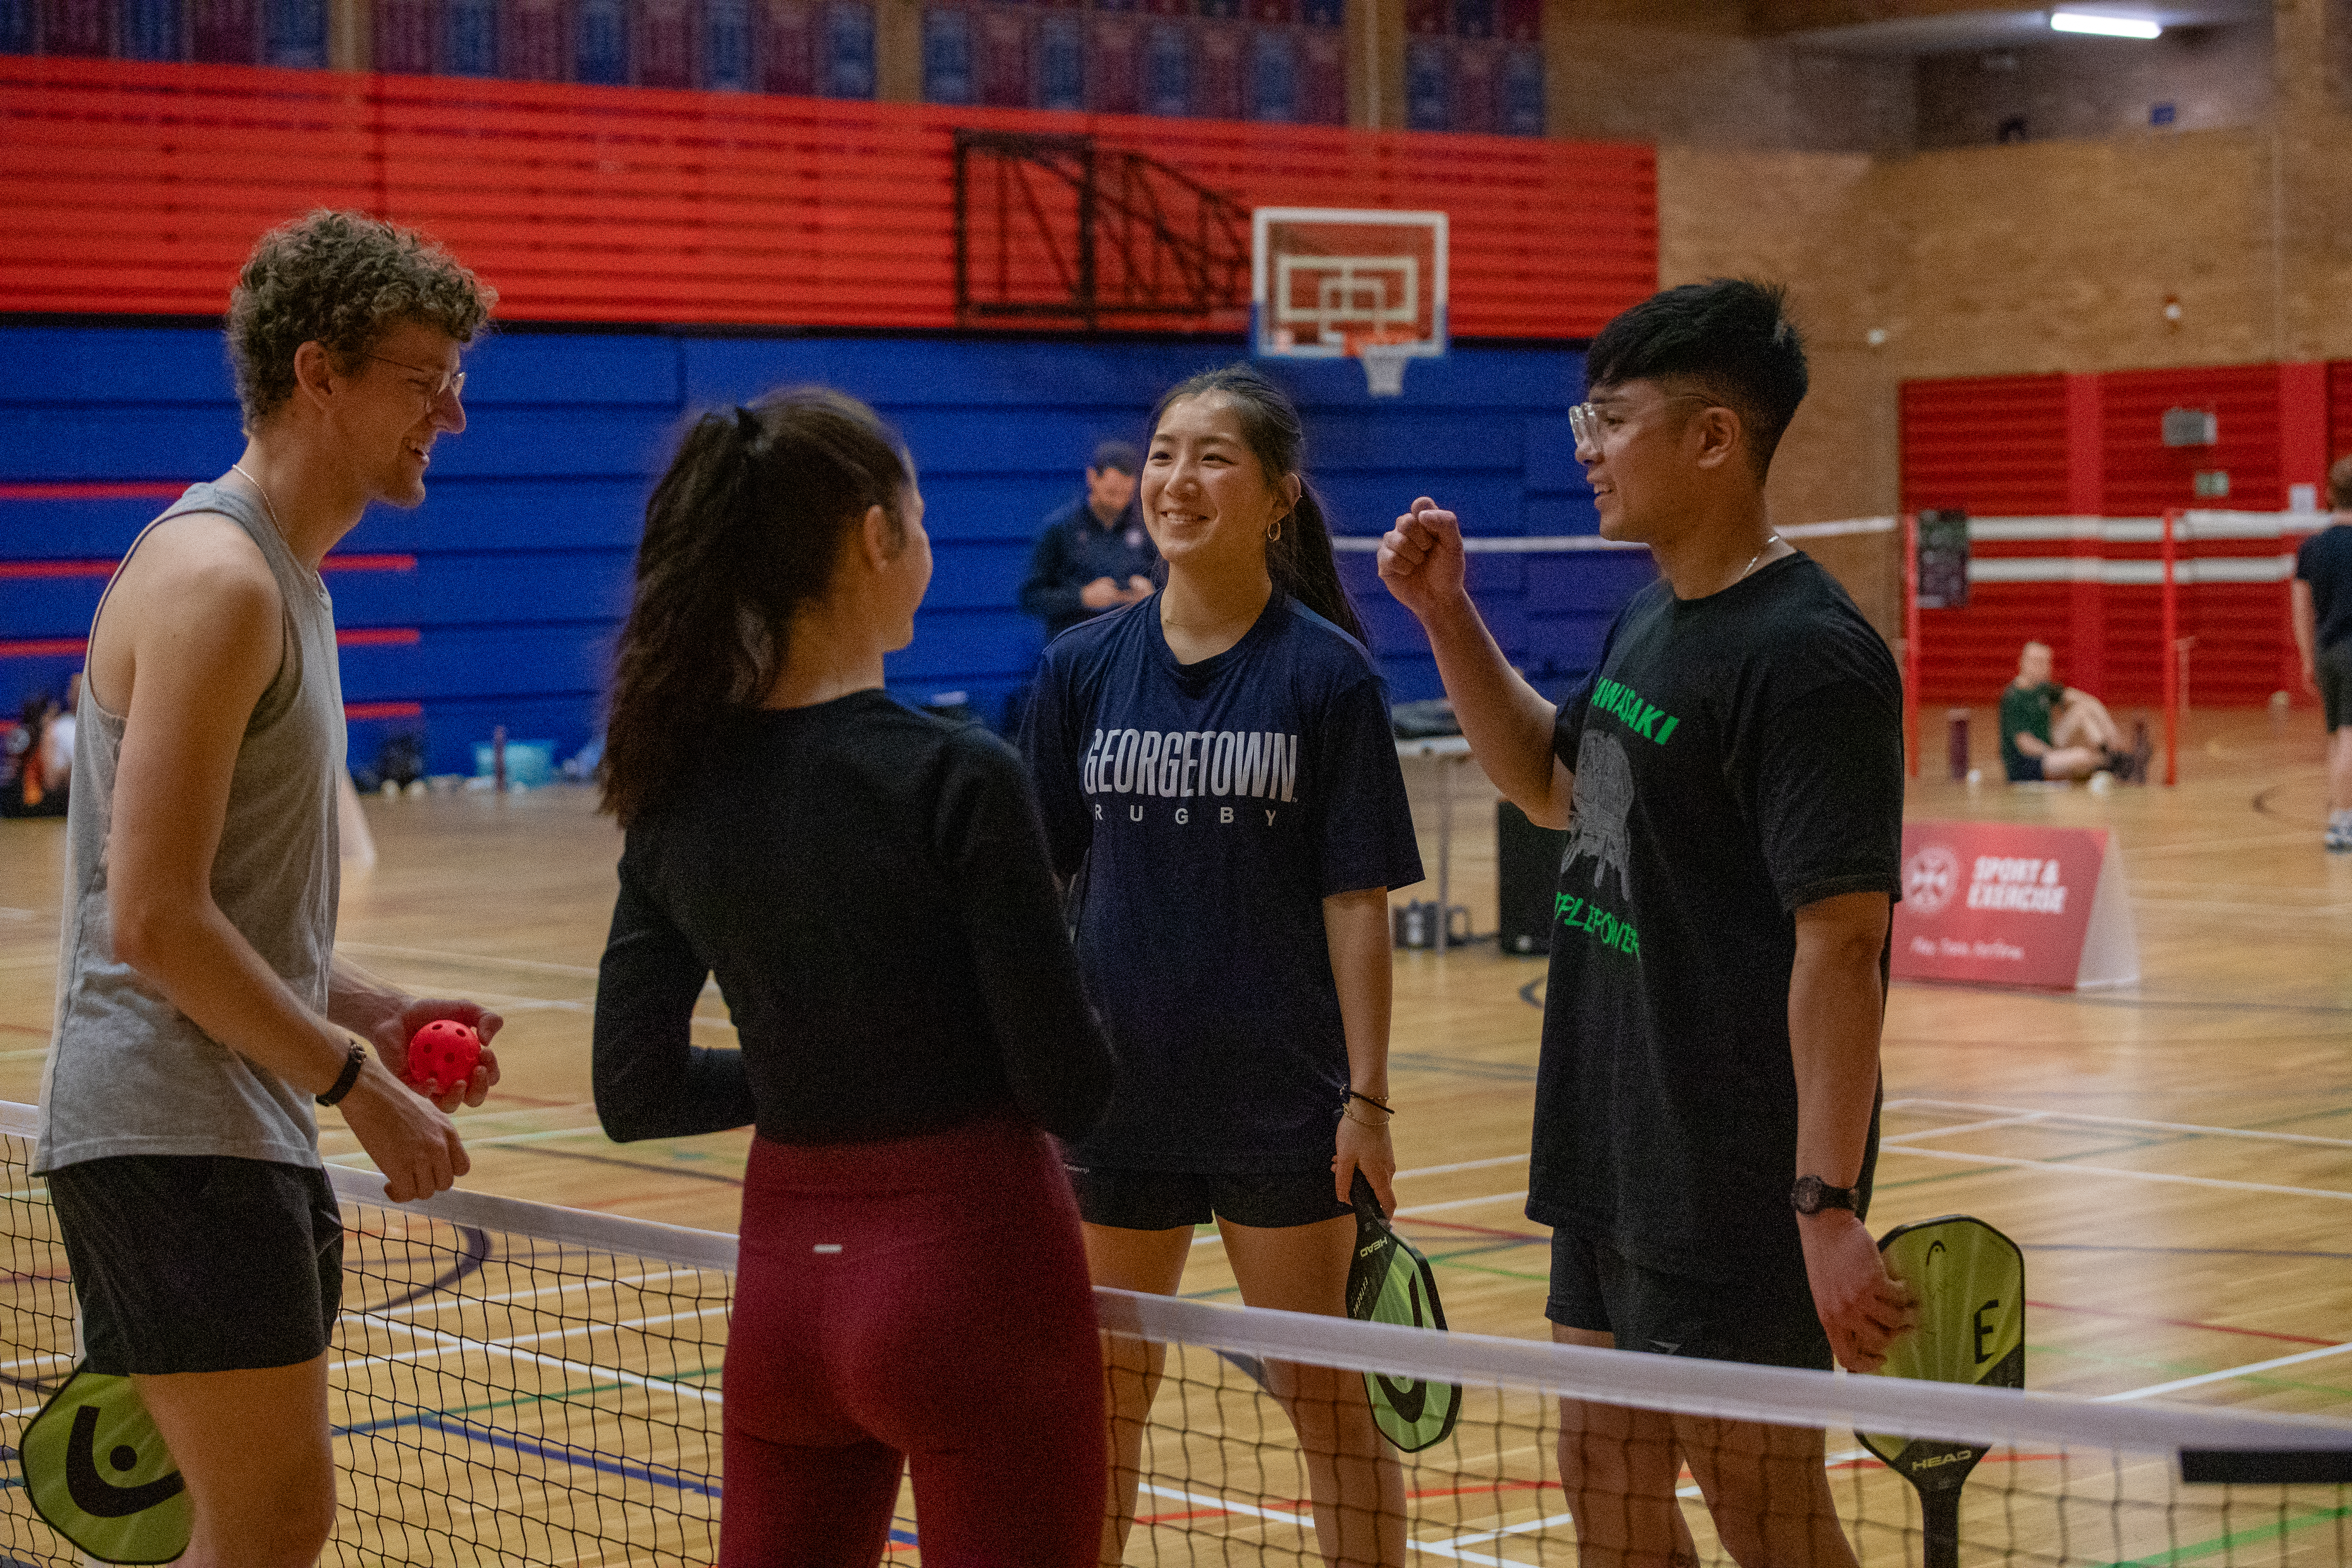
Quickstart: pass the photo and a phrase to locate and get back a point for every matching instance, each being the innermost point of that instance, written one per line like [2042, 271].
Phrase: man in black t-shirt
[2323, 636]
[1732, 780]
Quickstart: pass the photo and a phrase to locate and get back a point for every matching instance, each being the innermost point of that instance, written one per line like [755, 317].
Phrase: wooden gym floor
[2175, 1156]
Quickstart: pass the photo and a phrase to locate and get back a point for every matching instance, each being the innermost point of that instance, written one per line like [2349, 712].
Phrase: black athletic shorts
[2026, 770]
[2334, 669]
[1768, 1323]
[200, 1263]
[1162, 1200]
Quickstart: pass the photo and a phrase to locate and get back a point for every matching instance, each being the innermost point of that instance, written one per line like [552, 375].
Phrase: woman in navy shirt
[1221, 794]
[869, 886]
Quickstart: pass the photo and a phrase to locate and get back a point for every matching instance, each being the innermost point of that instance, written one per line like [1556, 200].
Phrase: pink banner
[1999, 904]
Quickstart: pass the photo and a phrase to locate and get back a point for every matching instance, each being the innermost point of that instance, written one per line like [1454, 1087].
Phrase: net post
[1911, 642]
[2168, 652]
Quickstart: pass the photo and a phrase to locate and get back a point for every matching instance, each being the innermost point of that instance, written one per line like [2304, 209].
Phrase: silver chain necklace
[1769, 541]
[281, 527]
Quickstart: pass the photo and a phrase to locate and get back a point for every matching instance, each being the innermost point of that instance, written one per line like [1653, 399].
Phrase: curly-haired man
[201, 1007]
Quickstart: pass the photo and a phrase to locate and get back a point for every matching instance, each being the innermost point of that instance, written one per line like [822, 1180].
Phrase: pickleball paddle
[1970, 1284]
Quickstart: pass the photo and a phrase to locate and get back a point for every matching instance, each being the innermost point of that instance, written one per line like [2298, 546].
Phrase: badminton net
[514, 1383]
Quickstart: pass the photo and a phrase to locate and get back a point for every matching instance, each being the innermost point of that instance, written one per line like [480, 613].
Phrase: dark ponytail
[742, 533]
[1301, 562]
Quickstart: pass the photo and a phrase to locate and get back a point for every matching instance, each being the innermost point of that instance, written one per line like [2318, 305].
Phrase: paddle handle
[1939, 1514]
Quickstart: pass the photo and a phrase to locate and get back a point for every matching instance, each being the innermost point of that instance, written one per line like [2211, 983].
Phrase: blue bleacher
[522, 555]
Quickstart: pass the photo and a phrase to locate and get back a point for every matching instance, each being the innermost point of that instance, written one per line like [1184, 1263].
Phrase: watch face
[1812, 1196]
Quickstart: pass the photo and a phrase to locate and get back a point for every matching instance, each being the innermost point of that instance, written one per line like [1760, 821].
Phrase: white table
[1449, 752]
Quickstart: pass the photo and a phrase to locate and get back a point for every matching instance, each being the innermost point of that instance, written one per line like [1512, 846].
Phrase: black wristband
[350, 1075]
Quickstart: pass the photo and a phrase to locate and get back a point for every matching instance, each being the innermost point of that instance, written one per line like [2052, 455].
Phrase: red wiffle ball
[444, 1052]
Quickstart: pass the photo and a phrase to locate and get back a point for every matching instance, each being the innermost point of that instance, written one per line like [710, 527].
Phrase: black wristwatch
[1812, 1196]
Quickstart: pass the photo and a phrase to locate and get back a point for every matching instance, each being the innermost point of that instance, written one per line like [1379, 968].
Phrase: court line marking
[2118, 1171]
[1461, 1165]
[1963, 1127]
[360, 1160]
[2249, 1370]
[2020, 1113]
[439, 955]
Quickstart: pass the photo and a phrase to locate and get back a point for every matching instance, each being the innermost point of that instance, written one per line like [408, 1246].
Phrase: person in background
[2323, 636]
[2058, 732]
[1094, 553]
[912, 1276]
[32, 780]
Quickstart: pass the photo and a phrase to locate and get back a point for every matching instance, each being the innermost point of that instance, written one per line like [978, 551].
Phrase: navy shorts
[2334, 669]
[1164, 1200]
[1767, 1321]
[200, 1263]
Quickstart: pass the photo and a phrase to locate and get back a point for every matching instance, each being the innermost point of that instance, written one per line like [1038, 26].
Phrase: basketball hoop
[1384, 367]
[1328, 283]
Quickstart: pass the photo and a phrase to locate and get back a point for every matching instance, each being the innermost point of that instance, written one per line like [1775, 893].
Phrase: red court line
[2177, 1322]
[396, 711]
[21, 570]
[379, 637]
[155, 491]
[42, 647]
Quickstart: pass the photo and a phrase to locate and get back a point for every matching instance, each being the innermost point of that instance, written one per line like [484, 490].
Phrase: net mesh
[517, 1384]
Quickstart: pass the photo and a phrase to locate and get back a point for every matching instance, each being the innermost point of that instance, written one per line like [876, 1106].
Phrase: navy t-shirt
[1737, 758]
[2325, 561]
[1214, 806]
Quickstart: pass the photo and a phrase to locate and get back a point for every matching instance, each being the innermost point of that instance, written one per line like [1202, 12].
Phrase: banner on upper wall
[2001, 904]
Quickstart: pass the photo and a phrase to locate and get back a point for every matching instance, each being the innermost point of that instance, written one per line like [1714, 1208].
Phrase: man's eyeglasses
[1586, 422]
[445, 383]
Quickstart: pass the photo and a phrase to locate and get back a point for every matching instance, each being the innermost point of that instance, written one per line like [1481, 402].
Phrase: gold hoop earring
[1273, 534]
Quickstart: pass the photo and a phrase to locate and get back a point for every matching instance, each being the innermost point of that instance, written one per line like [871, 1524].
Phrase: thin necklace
[274, 523]
[1771, 539]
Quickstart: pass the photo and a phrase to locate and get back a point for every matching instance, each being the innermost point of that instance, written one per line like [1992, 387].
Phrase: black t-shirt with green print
[1736, 757]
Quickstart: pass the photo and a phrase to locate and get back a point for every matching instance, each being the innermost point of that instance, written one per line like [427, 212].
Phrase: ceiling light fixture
[2105, 26]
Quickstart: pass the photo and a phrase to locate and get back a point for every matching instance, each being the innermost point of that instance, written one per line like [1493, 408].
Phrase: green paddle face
[97, 1472]
[1390, 1282]
[1970, 1283]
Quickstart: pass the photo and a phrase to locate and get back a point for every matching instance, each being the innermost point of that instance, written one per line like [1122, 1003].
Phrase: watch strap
[1812, 1196]
[353, 1061]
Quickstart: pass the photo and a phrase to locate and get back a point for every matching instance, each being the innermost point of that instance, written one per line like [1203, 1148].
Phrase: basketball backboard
[1327, 282]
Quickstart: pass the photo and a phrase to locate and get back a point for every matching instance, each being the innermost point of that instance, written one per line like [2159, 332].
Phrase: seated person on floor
[2053, 732]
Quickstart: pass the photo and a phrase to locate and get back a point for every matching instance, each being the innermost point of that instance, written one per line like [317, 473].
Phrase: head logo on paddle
[1970, 1283]
[1390, 1282]
[99, 1474]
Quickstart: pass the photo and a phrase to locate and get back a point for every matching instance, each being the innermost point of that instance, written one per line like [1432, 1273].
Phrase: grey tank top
[129, 1073]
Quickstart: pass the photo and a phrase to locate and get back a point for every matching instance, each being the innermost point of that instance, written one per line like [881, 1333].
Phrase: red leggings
[921, 1302]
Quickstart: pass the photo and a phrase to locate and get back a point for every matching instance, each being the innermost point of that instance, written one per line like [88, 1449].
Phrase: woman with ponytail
[869, 886]
[1222, 793]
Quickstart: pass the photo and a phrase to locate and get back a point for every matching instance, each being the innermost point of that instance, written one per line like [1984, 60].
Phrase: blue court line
[580, 1458]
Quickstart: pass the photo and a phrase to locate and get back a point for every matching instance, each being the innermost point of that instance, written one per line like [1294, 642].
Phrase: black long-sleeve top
[870, 885]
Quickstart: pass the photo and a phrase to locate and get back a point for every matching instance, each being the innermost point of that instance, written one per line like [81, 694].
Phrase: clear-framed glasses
[1588, 423]
[445, 383]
